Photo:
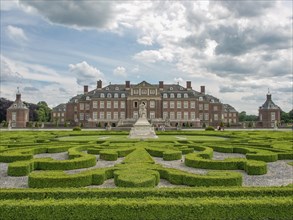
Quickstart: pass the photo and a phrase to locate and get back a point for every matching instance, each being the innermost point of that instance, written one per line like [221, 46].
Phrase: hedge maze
[215, 194]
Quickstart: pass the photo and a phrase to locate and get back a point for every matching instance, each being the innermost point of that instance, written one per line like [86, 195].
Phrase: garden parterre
[139, 169]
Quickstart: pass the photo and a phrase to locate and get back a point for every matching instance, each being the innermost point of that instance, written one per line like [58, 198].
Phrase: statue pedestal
[142, 129]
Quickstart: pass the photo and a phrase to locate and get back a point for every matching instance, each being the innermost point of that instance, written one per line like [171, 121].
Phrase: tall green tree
[43, 112]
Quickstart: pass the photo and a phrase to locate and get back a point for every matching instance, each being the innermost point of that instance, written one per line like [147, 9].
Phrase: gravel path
[279, 172]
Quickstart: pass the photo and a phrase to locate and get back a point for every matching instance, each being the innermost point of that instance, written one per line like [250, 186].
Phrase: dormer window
[185, 95]
[165, 95]
[122, 95]
[116, 95]
[178, 95]
[200, 98]
[76, 100]
[171, 88]
[87, 98]
[107, 88]
[181, 88]
[172, 95]
[109, 95]
[212, 100]
[102, 95]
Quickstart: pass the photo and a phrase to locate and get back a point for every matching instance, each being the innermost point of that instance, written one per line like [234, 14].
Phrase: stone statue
[142, 111]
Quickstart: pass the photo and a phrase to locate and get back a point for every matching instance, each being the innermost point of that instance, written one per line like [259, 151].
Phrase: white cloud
[120, 71]
[16, 33]
[146, 40]
[85, 74]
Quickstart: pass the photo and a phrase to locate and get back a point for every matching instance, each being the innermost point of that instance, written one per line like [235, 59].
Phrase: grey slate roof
[269, 104]
[60, 108]
[229, 108]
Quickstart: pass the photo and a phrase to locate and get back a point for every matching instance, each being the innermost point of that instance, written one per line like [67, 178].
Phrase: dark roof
[269, 104]
[60, 108]
[229, 108]
[18, 104]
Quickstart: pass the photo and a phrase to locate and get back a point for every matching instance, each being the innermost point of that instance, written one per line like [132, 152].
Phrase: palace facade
[166, 104]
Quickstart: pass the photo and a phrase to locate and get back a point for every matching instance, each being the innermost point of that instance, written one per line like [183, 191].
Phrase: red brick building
[59, 113]
[168, 104]
[17, 114]
[269, 113]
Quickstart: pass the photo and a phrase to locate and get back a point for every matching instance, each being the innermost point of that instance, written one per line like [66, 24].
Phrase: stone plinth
[142, 129]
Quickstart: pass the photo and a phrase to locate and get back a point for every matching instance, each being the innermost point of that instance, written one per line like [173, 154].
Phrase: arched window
[116, 95]
[117, 88]
[87, 98]
[122, 95]
[165, 95]
[200, 98]
[109, 95]
[102, 95]
[178, 95]
[185, 95]
[172, 95]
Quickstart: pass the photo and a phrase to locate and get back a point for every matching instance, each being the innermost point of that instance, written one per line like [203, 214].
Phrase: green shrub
[209, 128]
[76, 128]
[172, 155]
[110, 155]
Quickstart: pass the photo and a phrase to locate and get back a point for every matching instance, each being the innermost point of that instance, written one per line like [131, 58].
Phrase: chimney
[202, 89]
[99, 84]
[188, 85]
[127, 85]
[85, 89]
[161, 85]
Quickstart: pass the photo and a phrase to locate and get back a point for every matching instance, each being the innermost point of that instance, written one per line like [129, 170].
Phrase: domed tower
[17, 114]
[269, 113]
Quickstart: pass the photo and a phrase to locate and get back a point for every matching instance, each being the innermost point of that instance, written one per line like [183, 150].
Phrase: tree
[242, 116]
[43, 112]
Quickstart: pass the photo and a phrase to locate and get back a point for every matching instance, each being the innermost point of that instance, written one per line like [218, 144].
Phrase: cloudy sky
[237, 49]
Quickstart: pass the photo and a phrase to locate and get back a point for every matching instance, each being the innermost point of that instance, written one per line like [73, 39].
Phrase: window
[215, 108]
[216, 117]
[122, 115]
[108, 104]
[212, 100]
[201, 116]
[152, 115]
[95, 104]
[135, 105]
[95, 115]
[165, 95]
[87, 98]
[273, 116]
[58, 114]
[192, 104]
[260, 117]
[115, 104]
[76, 100]
[116, 88]
[75, 117]
[234, 114]
[165, 115]
[87, 116]
[54, 115]
[172, 95]
[81, 106]
[185, 116]
[75, 108]
[102, 104]
[172, 104]
[87, 106]
[62, 114]
[185, 104]
[152, 92]
[200, 98]
[171, 88]
[116, 95]
[206, 106]
[206, 116]
[172, 115]
[109, 95]
[179, 116]
[200, 106]
[109, 116]
[225, 114]
[102, 116]
[13, 116]
[107, 88]
[152, 104]
[81, 116]
[102, 95]
[178, 95]
[122, 104]
[135, 115]
[115, 115]
[62, 119]
[144, 92]
[122, 95]
[185, 95]
[165, 104]
[178, 104]
[192, 115]
[135, 92]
